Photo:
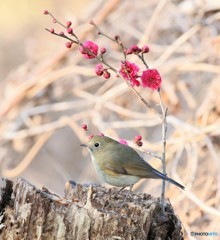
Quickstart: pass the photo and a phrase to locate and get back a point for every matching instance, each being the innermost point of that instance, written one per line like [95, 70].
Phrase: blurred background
[48, 91]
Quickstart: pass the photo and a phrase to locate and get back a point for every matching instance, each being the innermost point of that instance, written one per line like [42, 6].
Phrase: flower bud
[145, 49]
[103, 50]
[138, 138]
[68, 24]
[68, 44]
[84, 127]
[106, 74]
[70, 30]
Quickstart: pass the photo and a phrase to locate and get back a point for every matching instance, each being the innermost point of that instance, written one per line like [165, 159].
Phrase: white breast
[98, 170]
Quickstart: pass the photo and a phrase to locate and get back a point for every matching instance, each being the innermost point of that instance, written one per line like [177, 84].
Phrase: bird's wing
[141, 169]
[133, 165]
[113, 167]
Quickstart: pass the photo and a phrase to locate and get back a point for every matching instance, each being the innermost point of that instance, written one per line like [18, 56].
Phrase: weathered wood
[85, 213]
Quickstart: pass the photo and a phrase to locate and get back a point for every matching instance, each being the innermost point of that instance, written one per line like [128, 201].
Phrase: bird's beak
[83, 145]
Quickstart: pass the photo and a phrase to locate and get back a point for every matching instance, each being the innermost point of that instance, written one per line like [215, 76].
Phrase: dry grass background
[53, 90]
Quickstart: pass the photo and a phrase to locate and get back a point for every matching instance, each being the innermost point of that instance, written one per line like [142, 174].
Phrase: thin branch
[163, 157]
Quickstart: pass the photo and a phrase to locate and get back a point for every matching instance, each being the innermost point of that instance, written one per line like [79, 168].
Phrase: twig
[163, 157]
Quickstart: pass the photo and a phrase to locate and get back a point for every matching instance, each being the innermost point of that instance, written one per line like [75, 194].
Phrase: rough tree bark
[86, 212]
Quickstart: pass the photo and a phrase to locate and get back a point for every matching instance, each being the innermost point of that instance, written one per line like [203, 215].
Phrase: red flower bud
[116, 37]
[70, 30]
[138, 138]
[135, 48]
[140, 144]
[68, 44]
[106, 74]
[68, 24]
[46, 12]
[145, 49]
[52, 30]
[103, 50]
[84, 127]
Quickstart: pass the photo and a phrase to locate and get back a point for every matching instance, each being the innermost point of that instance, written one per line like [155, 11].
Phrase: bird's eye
[97, 144]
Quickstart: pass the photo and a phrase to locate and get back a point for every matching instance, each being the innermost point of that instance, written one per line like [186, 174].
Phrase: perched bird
[120, 165]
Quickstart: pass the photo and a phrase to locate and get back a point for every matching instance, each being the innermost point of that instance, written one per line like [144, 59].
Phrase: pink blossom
[151, 78]
[89, 49]
[99, 69]
[129, 72]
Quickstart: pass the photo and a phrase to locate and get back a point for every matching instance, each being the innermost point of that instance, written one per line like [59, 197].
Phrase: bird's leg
[123, 203]
[121, 190]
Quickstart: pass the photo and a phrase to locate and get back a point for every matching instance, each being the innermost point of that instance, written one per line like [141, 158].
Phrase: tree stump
[86, 212]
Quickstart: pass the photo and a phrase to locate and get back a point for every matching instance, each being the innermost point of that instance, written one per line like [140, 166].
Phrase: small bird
[120, 165]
